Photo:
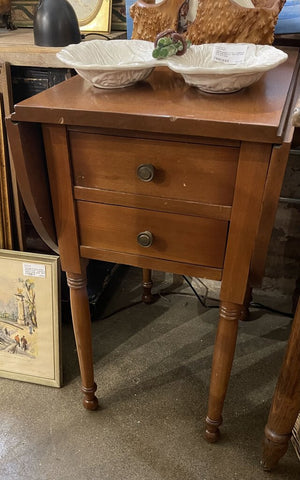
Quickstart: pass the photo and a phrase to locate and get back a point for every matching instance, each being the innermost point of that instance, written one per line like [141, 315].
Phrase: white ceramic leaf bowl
[200, 69]
[113, 64]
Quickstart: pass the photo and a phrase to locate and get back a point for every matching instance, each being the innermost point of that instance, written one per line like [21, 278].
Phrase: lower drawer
[181, 238]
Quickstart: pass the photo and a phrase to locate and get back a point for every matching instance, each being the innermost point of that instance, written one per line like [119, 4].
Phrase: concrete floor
[152, 367]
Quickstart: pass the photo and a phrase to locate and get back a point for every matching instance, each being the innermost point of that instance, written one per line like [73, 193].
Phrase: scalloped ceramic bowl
[199, 66]
[110, 64]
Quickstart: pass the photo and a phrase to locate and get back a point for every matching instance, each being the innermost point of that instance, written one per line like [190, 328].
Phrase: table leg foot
[212, 432]
[147, 296]
[274, 447]
[90, 401]
[230, 314]
[83, 336]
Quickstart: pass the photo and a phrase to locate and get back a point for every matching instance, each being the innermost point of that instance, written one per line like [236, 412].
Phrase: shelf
[17, 48]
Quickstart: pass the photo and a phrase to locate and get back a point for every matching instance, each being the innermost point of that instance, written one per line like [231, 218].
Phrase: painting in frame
[93, 15]
[30, 317]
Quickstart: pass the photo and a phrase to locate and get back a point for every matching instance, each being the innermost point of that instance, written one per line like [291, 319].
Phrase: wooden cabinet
[214, 166]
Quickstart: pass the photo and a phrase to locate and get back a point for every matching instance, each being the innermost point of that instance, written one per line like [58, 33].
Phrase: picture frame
[95, 18]
[30, 348]
[93, 15]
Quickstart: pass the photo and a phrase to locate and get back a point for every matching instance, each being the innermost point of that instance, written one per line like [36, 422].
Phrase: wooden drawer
[181, 238]
[185, 171]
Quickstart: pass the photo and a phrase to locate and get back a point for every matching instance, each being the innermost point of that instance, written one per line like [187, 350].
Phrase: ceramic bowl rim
[228, 69]
[134, 65]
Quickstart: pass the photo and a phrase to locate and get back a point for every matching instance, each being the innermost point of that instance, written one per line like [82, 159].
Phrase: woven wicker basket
[216, 20]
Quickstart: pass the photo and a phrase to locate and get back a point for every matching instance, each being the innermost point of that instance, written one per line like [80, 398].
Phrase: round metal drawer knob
[145, 239]
[145, 172]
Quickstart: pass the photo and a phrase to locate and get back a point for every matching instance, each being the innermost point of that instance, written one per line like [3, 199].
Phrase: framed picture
[30, 317]
[93, 15]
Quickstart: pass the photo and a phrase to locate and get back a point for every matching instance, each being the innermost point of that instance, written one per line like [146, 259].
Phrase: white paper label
[34, 270]
[232, 54]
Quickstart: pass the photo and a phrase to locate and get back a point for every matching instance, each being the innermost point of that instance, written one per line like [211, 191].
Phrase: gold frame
[30, 318]
[100, 20]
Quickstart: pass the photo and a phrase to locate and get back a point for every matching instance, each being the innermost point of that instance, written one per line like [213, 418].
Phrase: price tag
[34, 270]
[230, 53]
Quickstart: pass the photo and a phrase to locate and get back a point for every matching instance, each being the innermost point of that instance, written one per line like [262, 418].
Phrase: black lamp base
[55, 24]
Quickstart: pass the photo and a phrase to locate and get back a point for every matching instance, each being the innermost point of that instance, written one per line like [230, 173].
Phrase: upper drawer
[185, 171]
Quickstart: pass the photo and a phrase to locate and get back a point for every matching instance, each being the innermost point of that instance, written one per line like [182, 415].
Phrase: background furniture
[286, 400]
[218, 165]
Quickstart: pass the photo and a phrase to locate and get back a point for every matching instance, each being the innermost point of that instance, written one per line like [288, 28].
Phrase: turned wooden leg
[286, 401]
[247, 301]
[224, 348]
[147, 296]
[83, 337]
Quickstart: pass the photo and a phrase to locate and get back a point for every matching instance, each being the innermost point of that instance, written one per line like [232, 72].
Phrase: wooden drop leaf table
[158, 176]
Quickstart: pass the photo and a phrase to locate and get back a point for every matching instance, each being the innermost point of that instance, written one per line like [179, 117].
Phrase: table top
[165, 104]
